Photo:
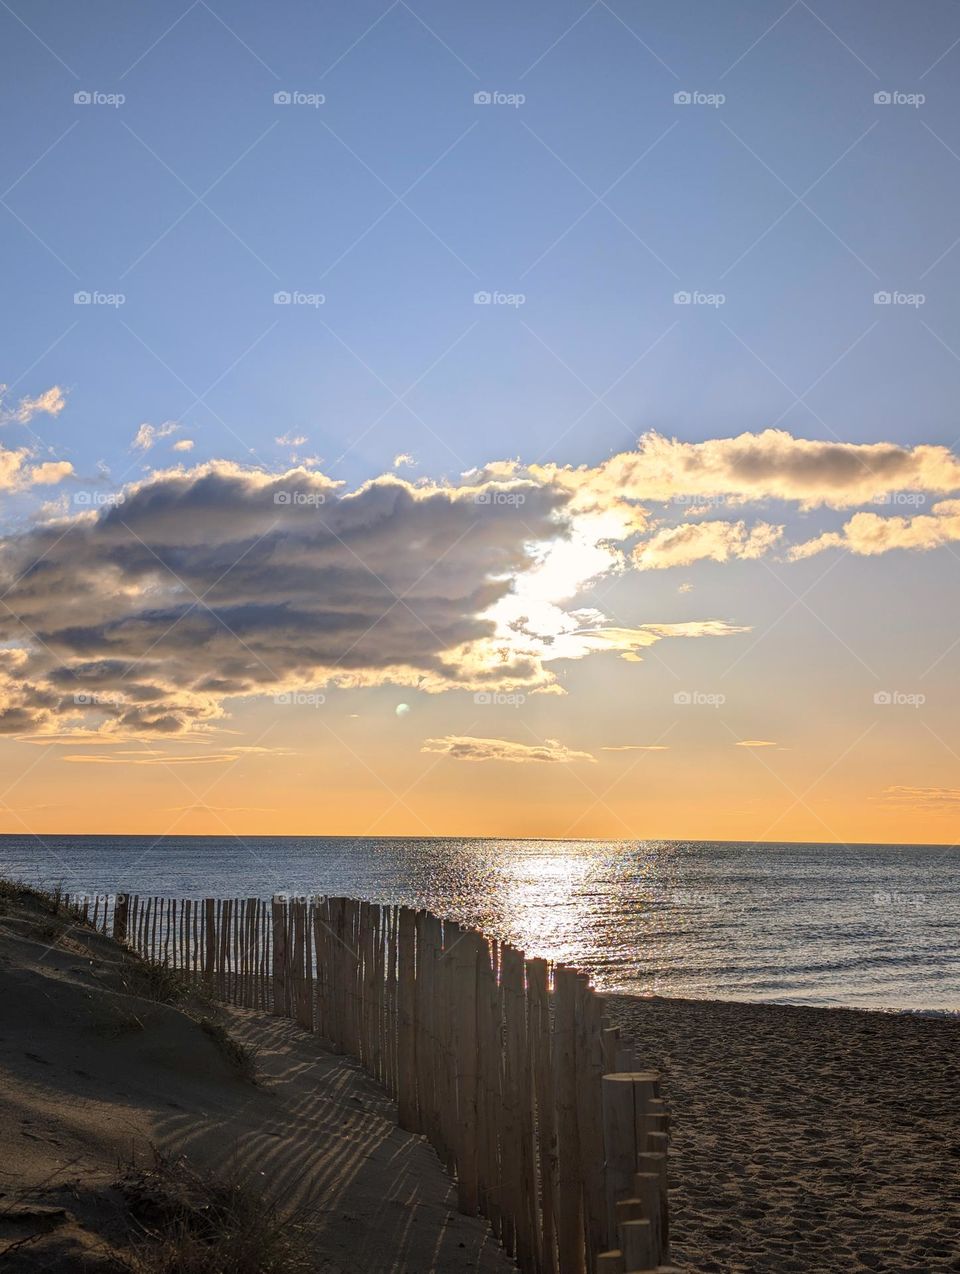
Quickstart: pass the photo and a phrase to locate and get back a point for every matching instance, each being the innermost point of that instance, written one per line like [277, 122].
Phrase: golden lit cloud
[930, 798]
[868, 534]
[148, 435]
[113, 759]
[49, 403]
[463, 747]
[705, 541]
[771, 465]
[50, 472]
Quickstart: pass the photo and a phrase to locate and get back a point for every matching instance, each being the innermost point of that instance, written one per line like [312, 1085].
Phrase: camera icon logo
[883, 697]
[482, 298]
[882, 298]
[682, 697]
[81, 298]
[882, 99]
[482, 99]
[483, 696]
[282, 298]
[81, 497]
[682, 298]
[683, 98]
[281, 497]
[82, 98]
[282, 98]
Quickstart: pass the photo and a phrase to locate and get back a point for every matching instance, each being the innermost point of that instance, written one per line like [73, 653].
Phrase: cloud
[756, 743]
[184, 444]
[202, 585]
[635, 747]
[931, 798]
[147, 615]
[148, 435]
[463, 747]
[223, 581]
[50, 403]
[291, 440]
[771, 465]
[869, 534]
[220, 809]
[403, 460]
[50, 472]
[109, 759]
[705, 541]
[17, 473]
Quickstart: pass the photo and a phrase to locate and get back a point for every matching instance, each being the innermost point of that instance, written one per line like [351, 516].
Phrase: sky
[427, 419]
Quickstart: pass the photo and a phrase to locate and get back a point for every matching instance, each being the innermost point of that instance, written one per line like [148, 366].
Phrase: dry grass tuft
[241, 1056]
[195, 1224]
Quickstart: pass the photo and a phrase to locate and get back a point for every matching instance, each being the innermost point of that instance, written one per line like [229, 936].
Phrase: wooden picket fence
[506, 1064]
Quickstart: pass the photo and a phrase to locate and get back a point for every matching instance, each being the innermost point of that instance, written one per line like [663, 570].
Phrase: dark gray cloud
[222, 581]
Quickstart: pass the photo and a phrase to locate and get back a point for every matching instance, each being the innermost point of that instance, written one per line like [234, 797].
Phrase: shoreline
[805, 1140]
[948, 1015]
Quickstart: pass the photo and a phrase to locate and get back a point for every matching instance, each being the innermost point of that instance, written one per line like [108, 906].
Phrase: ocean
[868, 926]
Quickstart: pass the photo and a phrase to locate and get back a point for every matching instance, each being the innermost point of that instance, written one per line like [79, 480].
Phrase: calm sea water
[873, 926]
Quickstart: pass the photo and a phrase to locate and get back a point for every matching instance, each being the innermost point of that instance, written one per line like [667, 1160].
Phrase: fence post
[406, 1024]
[637, 1219]
[465, 989]
[120, 911]
[570, 1235]
[539, 1035]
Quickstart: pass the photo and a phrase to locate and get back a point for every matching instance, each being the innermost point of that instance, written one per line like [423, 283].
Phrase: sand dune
[92, 1075]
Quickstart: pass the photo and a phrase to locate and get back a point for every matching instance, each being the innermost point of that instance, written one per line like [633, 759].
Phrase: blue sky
[500, 198]
[704, 220]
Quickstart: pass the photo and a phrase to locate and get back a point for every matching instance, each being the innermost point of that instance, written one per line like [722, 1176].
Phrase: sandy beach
[806, 1141]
